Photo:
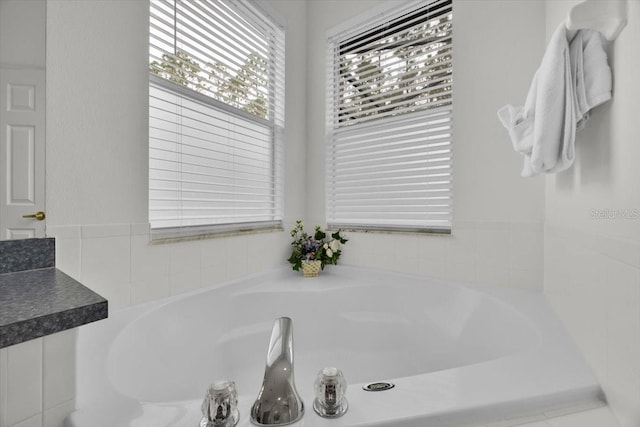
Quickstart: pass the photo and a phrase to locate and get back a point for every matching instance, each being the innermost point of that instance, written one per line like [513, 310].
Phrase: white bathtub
[457, 354]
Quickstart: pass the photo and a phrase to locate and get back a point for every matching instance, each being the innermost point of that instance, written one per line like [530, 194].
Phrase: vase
[311, 268]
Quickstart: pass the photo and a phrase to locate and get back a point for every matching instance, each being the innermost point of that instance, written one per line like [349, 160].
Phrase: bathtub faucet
[278, 401]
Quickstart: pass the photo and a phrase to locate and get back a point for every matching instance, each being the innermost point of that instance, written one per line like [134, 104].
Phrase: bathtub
[458, 354]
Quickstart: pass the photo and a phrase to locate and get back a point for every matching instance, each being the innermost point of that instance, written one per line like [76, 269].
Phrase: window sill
[390, 230]
[184, 234]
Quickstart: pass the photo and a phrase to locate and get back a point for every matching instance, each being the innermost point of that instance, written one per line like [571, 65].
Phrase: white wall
[498, 216]
[592, 252]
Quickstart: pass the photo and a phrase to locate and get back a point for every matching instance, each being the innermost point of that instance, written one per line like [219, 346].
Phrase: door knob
[38, 215]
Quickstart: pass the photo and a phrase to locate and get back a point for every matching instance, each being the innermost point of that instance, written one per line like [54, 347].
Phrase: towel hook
[608, 17]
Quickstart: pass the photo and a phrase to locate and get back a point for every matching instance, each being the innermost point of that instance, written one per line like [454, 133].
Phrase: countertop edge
[21, 330]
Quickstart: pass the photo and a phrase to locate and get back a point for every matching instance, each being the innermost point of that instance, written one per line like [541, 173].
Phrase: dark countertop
[35, 303]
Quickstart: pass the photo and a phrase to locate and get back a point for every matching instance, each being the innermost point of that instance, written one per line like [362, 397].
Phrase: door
[22, 153]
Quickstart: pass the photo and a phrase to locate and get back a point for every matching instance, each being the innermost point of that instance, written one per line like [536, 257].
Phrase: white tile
[480, 225]
[184, 257]
[433, 247]
[366, 245]
[185, 281]
[259, 253]
[587, 326]
[407, 245]
[3, 386]
[402, 254]
[149, 290]
[279, 250]
[148, 262]
[213, 252]
[381, 256]
[214, 275]
[91, 231]
[461, 247]
[492, 275]
[584, 304]
[68, 256]
[141, 229]
[459, 271]
[106, 268]
[556, 273]
[530, 280]
[237, 256]
[35, 421]
[625, 407]
[601, 417]
[588, 270]
[54, 417]
[492, 249]
[347, 258]
[64, 231]
[431, 267]
[24, 381]
[526, 226]
[623, 250]
[59, 369]
[623, 341]
[526, 250]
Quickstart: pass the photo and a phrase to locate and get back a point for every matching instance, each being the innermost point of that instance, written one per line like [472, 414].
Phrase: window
[216, 117]
[389, 117]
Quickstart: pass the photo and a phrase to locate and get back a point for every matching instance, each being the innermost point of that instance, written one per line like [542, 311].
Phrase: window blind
[390, 111]
[216, 116]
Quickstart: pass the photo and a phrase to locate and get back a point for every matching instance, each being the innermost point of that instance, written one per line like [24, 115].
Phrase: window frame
[275, 122]
[360, 26]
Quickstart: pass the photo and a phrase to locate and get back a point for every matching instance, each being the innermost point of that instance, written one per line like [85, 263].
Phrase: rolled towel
[590, 72]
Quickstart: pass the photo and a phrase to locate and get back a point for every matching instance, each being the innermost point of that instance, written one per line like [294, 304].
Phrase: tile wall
[37, 378]
[593, 282]
[118, 262]
[37, 381]
[499, 253]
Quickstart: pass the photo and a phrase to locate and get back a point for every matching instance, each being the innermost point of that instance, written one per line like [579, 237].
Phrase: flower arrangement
[314, 248]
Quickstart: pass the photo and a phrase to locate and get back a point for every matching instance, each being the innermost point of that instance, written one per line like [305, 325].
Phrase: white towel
[569, 82]
[591, 73]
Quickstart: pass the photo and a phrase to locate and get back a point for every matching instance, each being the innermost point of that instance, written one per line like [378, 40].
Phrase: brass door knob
[38, 215]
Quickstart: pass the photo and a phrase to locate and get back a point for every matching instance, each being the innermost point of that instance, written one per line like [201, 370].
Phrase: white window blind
[389, 154]
[216, 116]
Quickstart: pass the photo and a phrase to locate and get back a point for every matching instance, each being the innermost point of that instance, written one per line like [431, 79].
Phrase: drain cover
[381, 386]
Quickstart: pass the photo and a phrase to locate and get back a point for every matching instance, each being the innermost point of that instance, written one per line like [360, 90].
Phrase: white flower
[329, 253]
[326, 246]
[334, 245]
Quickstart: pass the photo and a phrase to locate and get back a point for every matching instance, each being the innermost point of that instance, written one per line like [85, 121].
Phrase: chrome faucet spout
[278, 401]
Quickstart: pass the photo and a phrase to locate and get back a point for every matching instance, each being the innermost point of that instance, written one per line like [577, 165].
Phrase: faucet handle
[220, 405]
[330, 387]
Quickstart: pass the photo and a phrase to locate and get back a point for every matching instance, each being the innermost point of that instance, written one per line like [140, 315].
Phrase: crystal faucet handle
[330, 388]
[220, 405]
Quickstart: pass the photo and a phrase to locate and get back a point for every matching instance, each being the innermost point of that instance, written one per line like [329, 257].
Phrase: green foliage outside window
[245, 89]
